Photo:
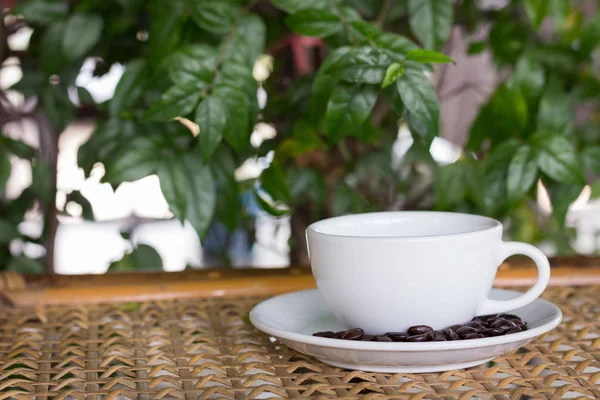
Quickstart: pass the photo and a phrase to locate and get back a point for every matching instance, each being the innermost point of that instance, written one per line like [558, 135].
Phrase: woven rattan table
[202, 346]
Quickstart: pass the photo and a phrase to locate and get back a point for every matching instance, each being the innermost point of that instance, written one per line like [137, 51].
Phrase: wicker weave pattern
[207, 349]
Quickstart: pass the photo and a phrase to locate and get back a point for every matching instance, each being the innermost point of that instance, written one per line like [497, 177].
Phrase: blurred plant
[346, 75]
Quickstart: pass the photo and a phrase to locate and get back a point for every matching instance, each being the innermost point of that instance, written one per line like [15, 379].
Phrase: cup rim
[315, 227]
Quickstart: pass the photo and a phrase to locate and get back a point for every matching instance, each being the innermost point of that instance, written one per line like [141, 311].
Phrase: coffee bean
[381, 338]
[518, 322]
[504, 324]
[419, 329]
[455, 327]
[466, 330]
[424, 337]
[439, 337]
[516, 329]
[327, 334]
[509, 316]
[400, 337]
[475, 324]
[492, 332]
[353, 334]
[367, 338]
[450, 334]
[473, 336]
[489, 317]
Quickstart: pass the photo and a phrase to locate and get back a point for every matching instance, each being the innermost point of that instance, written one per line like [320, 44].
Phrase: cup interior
[403, 224]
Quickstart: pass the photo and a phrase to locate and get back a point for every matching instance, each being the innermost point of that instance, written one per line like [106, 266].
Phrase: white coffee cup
[388, 271]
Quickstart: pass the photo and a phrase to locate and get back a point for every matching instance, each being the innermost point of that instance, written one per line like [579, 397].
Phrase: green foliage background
[337, 108]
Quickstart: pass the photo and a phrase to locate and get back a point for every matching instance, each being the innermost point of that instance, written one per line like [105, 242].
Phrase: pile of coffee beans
[479, 327]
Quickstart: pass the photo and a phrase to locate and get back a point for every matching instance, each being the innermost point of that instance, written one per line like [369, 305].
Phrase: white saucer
[292, 318]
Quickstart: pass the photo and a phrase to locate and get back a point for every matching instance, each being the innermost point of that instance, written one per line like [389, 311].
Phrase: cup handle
[505, 250]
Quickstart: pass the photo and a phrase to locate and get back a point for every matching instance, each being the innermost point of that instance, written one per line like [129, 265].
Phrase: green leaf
[536, 11]
[431, 21]
[361, 65]
[476, 48]
[5, 167]
[191, 64]
[450, 186]
[41, 11]
[528, 77]
[595, 190]
[16, 147]
[393, 72]
[557, 158]
[556, 57]
[428, 56]
[215, 16]
[81, 34]
[175, 102]
[84, 96]
[274, 182]
[129, 88]
[495, 175]
[348, 107]
[321, 90]
[57, 106]
[507, 40]
[590, 36]
[165, 31]
[106, 139]
[397, 43]
[307, 186]
[143, 257]
[555, 113]
[559, 10]
[8, 231]
[275, 209]
[347, 200]
[146, 257]
[291, 6]
[562, 196]
[314, 22]
[304, 139]
[247, 42]
[240, 77]
[236, 131]
[420, 102]
[522, 173]
[211, 117]
[189, 189]
[24, 265]
[51, 55]
[591, 159]
[134, 155]
[504, 115]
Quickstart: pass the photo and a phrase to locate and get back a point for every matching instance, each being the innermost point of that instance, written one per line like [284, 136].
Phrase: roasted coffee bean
[475, 324]
[367, 338]
[450, 334]
[503, 324]
[353, 334]
[492, 332]
[419, 329]
[327, 334]
[424, 337]
[455, 327]
[518, 322]
[438, 337]
[516, 329]
[381, 338]
[466, 330]
[473, 336]
[509, 316]
[397, 337]
[489, 317]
